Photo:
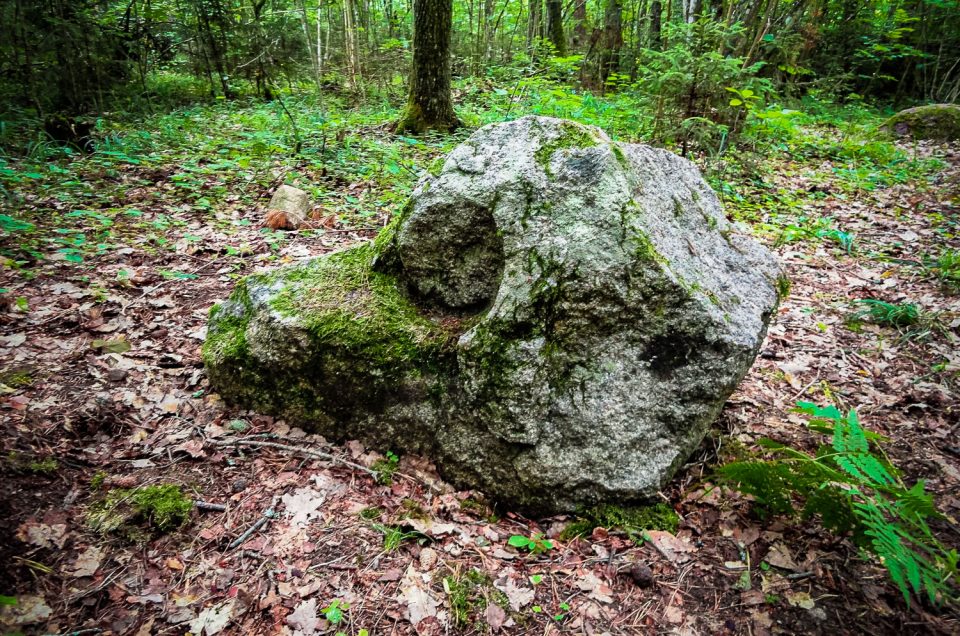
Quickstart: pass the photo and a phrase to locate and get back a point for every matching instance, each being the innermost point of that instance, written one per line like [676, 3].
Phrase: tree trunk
[612, 39]
[488, 29]
[533, 25]
[555, 27]
[656, 11]
[430, 105]
[579, 23]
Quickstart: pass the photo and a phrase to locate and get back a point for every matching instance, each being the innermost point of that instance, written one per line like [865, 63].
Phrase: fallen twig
[211, 507]
[268, 514]
[294, 449]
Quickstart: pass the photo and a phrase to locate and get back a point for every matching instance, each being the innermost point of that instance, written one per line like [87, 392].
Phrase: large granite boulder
[555, 318]
[939, 122]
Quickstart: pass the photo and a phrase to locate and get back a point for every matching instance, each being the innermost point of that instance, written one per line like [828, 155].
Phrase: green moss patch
[128, 513]
[22, 463]
[573, 136]
[469, 593]
[343, 302]
[632, 520]
[327, 344]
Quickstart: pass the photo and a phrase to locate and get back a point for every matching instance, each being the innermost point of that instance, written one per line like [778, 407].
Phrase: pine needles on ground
[852, 487]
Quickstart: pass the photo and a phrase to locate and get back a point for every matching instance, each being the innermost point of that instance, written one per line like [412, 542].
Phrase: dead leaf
[494, 616]
[43, 535]
[28, 610]
[214, 619]
[779, 556]
[517, 596]
[673, 614]
[598, 590]
[303, 505]
[413, 592]
[118, 345]
[87, 563]
[673, 548]
[13, 340]
[169, 403]
[304, 619]
[800, 599]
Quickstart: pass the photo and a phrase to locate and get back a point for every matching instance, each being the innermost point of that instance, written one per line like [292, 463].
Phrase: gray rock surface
[555, 318]
[294, 203]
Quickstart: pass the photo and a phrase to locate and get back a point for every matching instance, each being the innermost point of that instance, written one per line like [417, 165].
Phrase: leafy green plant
[394, 536]
[334, 612]
[888, 314]
[385, 468]
[852, 487]
[535, 544]
[946, 268]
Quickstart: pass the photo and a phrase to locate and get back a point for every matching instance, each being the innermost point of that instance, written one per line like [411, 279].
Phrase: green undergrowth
[469, 593]
[851, 486]
[136, 514]
[632, 520]
[28, 463]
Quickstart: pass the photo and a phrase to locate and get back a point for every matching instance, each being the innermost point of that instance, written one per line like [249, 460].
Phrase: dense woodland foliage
[82, 57]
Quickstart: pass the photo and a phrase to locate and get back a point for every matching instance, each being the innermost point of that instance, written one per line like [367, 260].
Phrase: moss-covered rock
[555, 318]
[934, 121]
[331, 343]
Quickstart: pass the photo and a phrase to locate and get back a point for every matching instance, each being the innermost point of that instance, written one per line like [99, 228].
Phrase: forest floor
[103, 388]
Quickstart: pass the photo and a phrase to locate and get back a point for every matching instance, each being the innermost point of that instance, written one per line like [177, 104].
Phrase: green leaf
[736, 102]
[118, 345]
[519, 541]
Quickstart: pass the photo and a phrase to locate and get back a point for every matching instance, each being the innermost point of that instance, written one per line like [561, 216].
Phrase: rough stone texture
[555, 318]
[935, 121]
[293, 206]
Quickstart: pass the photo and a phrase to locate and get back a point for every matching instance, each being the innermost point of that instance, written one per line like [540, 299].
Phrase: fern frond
[854, 489]
[769, 482]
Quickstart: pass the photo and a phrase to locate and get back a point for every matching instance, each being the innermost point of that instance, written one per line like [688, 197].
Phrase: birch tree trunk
[350, 44]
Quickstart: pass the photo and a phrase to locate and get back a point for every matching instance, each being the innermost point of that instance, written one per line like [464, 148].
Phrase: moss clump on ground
[573, 136]
[162, 508]
[632, 520]
[783, 287]
[468, 595]
[17, 378]
[31, 464]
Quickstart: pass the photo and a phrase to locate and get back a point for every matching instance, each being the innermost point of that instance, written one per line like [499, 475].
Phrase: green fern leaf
[871, 467]
[856, 438]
